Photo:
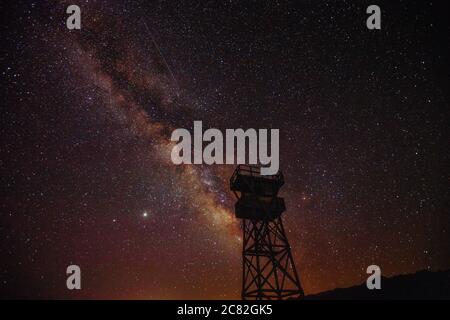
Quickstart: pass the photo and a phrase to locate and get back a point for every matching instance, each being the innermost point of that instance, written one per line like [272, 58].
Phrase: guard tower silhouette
[268, 268]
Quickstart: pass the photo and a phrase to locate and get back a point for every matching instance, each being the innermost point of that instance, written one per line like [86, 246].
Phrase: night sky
[86, 118]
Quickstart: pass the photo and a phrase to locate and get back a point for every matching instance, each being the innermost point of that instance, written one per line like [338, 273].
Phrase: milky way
[86, 167]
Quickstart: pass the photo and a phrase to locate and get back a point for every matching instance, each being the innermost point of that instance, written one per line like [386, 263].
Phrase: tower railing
[255, 171]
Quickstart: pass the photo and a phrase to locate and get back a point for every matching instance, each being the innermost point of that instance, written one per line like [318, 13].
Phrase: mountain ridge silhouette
[424, 284]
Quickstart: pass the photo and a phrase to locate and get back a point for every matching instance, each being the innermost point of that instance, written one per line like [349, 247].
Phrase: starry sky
[87, 114]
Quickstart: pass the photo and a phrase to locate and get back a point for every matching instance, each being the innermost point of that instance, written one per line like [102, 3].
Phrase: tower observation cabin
[257, 194]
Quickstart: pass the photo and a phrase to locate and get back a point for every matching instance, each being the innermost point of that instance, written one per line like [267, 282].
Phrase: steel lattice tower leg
[268, 268]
